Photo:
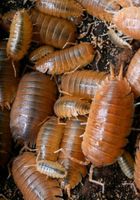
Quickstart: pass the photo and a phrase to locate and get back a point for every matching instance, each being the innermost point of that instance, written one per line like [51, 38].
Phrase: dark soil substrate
[117, 186]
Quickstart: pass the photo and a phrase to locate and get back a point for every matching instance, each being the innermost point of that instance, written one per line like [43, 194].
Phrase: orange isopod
[71, 145]
[127, 20]
[31, 183]
[109, 121]
[100, 8]
[8, 82]
[69, 106]
[53, 31]
[20, 35]
[65, 9]
[82, 83]
[66, 60]
[133, 73]
[48, 141]
[33, 103]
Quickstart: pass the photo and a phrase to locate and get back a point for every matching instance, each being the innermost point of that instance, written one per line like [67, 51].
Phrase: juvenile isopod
[117, 40]
[69, 106]
[5, 137]
[109, 121]
[53, 31]
[71, 145]
[65, 9]
[33, 103]
[133, 73]
[127, 20]
[66, 60]
[100, 8]
[20, 35]
[8, 82]
[126, 164]
[31, 183]
[82, 83]
[40, 52]
[51, 168]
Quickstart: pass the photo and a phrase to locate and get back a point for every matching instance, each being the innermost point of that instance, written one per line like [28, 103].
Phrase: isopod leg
[93, 181]
[71, 71]
[68, 43]
[67, 188]
[1, 195]
[72, 158]
[134, 188]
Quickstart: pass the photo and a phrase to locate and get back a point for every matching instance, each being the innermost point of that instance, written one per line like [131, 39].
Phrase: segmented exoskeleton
[126, 164]
[5, 137]
[31, 183]
[109, 121]
[59, 8]
[71, 144]
[127, 20]
[53, 31]
[82, 83]
[133, 73]
[8, 82]
[40, 53]
[66, 60]
[100, 8]
[34, 102]
[48, 141]
[20, 35]
[69, 106]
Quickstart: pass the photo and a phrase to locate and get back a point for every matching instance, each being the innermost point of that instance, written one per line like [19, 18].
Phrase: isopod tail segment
[112, 73]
